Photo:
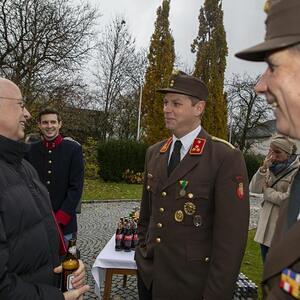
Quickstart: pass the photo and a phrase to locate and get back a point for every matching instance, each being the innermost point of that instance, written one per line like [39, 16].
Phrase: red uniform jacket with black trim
[193, 251]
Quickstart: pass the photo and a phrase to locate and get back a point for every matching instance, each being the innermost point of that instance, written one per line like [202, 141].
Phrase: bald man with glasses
[29, 244]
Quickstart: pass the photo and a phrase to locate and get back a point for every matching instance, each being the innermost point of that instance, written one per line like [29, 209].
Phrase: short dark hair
[193, 99]
[48, 111]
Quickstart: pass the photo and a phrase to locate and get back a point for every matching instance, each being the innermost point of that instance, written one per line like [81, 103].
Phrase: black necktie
[175, 157]
[294, 201]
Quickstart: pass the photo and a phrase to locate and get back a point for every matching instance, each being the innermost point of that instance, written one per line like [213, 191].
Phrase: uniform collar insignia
[52, 144]
[166, 145]
[197, 147]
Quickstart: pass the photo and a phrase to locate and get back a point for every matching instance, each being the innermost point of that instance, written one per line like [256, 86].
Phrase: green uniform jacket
[191, 243]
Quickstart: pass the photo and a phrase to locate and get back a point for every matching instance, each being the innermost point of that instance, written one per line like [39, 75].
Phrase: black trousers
[144, 293]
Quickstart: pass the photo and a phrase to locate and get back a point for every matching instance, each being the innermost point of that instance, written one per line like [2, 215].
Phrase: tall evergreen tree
[160, 65]
[210, 47]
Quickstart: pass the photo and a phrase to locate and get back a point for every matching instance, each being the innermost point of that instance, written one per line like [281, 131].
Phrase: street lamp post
[139, 115]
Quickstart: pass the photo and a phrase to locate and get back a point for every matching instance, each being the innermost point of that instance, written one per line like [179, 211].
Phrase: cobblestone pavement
[97, 223]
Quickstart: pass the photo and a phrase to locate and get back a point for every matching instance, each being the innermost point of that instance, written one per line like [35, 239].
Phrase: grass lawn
[252, 263]
[97, 189]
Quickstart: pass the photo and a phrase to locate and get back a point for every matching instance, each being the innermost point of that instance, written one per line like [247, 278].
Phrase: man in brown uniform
[195, 209]
[281, 85]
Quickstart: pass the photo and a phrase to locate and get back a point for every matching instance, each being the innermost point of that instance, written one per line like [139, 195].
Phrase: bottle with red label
[135, 238]
[128, 236]
[119, 236]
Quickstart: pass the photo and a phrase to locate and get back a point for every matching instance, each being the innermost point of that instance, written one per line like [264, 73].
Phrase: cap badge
[166, 146]
[267, 6]
[175, 72]
[198, 146]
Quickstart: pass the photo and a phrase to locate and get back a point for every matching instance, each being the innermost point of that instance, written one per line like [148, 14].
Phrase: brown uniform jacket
[284, 253]
[179, 259]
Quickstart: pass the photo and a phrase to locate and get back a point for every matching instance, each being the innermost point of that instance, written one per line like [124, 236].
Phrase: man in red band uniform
[59, 163]
[195, 208]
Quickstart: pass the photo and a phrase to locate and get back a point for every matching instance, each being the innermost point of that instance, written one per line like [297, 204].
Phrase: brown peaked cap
[181, 83]
[282, 30]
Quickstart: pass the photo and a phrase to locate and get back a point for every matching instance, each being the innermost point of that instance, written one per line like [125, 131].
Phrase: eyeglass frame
[21, 103]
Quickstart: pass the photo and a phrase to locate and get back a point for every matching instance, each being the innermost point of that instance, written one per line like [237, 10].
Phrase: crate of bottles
[245, 289]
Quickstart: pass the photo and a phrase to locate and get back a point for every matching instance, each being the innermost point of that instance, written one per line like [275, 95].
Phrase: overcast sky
[243, 19]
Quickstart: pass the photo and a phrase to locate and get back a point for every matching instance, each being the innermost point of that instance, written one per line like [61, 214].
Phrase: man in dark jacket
[59, 163]
[195, 209]
[29, 245]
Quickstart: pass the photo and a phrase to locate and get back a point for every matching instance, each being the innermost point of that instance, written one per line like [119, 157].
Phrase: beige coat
[284, 253]
[191, 244]
[273, 197]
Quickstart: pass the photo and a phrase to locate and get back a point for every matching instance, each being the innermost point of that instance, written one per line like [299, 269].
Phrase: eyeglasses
[21, 101]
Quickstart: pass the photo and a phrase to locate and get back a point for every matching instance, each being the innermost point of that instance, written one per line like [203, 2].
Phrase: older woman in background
[273, 179]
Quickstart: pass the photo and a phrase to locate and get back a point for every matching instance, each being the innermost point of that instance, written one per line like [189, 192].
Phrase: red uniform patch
[198, 146]
[240, 188]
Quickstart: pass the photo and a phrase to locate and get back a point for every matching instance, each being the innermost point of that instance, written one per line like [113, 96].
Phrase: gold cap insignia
[267, 6]
[175, 72]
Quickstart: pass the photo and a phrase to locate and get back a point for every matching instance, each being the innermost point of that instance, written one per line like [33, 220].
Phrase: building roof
[264, 130]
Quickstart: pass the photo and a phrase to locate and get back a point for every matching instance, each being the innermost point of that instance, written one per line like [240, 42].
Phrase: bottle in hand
[69, 265]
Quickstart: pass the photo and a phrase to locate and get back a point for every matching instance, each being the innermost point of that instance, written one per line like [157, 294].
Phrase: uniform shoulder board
[68, 138]
[216, 139]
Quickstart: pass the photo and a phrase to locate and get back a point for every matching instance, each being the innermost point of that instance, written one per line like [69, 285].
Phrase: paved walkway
[97, 223]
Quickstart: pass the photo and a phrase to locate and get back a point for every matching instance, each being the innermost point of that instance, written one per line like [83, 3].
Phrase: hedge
[253, 162]
[117, 156]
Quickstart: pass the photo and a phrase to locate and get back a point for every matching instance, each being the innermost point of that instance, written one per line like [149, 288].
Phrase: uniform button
[49, 171]
[159, 225]
[50, 161]
[158, 240]
[164, 194]
[48, 182]
[206, 259]
[161, 209]
[148, 187]
[50, 151]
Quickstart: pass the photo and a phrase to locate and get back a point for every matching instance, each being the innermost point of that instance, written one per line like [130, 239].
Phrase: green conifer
[160, 65]
[211, 51]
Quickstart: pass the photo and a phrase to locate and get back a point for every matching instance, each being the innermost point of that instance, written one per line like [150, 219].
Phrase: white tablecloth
[109, 258]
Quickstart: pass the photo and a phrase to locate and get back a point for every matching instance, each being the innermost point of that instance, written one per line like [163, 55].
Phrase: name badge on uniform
[290, 283]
